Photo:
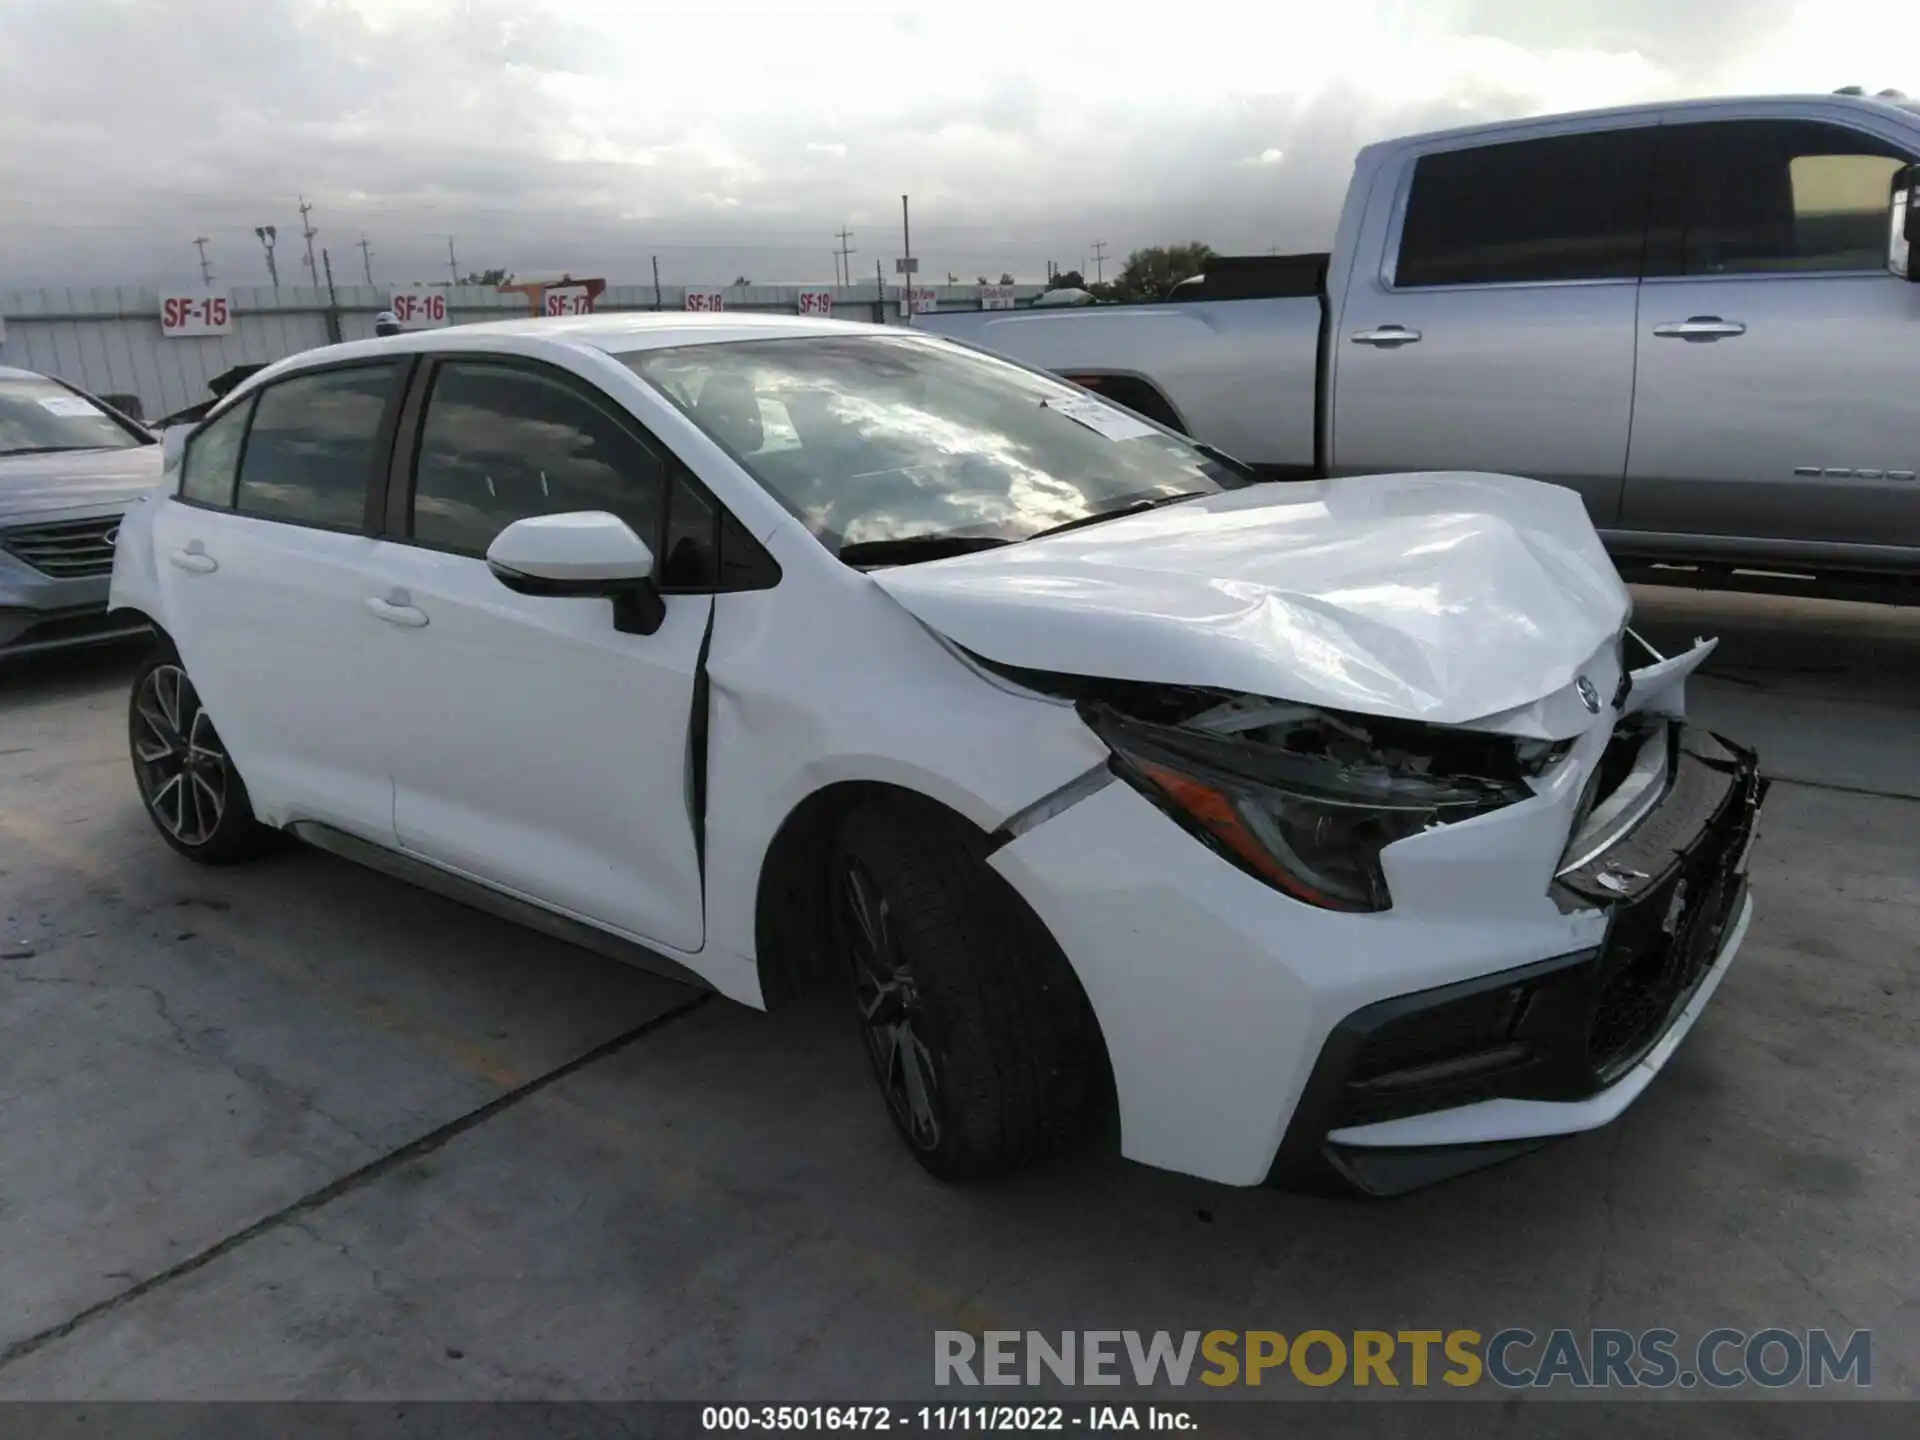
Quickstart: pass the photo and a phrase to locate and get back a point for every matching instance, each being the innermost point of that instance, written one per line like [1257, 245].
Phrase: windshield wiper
[1132, 507]
[911, 549]
[1220, 457]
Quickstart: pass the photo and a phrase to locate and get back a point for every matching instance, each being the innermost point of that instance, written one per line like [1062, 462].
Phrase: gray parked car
[69, 465]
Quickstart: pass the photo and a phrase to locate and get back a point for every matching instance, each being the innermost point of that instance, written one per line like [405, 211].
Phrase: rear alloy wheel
[980, 1038]
[192, 792]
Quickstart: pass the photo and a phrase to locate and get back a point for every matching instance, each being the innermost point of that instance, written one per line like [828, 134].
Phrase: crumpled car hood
[75, 479]
[1446, 598]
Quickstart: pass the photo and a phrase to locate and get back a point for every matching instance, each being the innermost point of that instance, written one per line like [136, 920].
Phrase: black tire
[190, 789]
[983, 1005]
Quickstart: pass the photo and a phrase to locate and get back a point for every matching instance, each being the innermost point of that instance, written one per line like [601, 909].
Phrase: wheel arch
[790, 921]
[1136, 392]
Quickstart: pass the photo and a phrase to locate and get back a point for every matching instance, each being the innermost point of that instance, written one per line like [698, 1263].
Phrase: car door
[1492, 328]
[1773, 344]
[533, 746]
[260, 564]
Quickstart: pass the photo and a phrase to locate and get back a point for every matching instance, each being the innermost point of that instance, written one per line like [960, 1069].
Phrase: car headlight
[1306, 800]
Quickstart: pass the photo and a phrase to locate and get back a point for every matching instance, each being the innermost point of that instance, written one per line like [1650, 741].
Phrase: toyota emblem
[1589, 696]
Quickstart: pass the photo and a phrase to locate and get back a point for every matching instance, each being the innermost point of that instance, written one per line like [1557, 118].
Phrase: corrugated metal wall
[108, 341]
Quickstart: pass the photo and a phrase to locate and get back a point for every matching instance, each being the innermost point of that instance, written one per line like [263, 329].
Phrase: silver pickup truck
[1685, 312]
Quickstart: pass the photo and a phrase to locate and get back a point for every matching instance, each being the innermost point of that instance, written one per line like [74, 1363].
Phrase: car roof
[618, 333]
[14, 372]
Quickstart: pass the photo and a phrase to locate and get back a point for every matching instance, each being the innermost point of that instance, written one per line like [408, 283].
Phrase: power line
[206, 270]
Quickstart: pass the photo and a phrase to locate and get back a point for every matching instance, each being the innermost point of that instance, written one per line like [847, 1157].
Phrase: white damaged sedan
[1329, 832]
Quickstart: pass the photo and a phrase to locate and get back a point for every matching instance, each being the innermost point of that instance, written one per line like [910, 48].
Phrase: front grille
[1661, 949]
[65, 549]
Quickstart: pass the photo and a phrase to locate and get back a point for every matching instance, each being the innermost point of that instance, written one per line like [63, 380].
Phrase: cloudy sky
[735, 139]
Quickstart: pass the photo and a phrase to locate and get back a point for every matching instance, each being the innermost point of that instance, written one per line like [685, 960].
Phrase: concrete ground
[298, 1131]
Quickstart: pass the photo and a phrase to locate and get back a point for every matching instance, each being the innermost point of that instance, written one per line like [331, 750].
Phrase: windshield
[890, 438]
[38, 415]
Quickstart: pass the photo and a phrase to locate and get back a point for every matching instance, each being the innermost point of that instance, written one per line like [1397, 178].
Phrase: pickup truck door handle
[194, 560]
[1386, 336]
[398, 609]
[1700, 327]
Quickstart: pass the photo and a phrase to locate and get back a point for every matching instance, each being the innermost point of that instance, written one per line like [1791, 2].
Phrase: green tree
[1150, 272]
[1005, 278]
[1067, 280]
[488, 277]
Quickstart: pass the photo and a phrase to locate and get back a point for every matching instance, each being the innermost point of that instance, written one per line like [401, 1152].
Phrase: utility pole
[206, 270]
[306, 228]
[268, 236]
[1099, 261]
[657, 304]
[845, 254]
[453, 265]
[366, 257]
[879, 293]
[333, 301]
[906, 245]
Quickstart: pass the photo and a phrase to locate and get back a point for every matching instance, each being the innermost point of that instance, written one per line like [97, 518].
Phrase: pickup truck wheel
[979, 1035]
[189, 785]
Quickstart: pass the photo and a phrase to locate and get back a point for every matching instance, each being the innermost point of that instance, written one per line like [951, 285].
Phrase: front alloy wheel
[890, 1012]
[181, 764]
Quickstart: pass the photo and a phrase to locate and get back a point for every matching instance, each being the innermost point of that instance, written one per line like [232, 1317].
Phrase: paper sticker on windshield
[69, 407]
[1101, 418]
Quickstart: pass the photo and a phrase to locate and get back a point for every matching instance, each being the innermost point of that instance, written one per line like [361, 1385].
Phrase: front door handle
[1386, 336]
[194, 559]
[398, 609]
[1700, 327]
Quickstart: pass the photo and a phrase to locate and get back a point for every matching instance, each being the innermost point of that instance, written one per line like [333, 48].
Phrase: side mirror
[1903, 225]
[588, 553]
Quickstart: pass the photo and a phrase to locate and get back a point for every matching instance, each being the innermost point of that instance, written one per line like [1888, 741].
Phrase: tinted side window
[1744, 197]
[502, 443]
[310, 449]
[207, 467]
[1572, 207]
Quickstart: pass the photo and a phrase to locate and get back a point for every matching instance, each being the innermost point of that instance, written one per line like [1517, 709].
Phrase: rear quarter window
[212, 457]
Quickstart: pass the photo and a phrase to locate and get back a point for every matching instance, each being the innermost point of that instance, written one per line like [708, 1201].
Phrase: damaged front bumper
[1507, 996]
[1423, 1086]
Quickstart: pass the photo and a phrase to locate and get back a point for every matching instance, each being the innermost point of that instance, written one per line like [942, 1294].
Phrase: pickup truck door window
[540, 749]
[1771, 343]
[261, 560]
[1498, 333]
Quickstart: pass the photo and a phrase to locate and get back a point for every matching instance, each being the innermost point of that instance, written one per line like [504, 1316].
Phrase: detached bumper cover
[1421, 1086]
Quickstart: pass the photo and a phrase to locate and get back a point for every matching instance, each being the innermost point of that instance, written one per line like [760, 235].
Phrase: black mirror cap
[638, 607]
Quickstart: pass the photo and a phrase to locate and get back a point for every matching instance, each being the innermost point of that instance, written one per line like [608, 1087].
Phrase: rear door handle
[1700, 327]
[193, 559]
[398, 609]
[1386, 336]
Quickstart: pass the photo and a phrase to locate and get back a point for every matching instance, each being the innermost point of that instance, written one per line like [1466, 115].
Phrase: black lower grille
[65, 549]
